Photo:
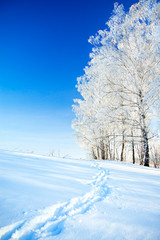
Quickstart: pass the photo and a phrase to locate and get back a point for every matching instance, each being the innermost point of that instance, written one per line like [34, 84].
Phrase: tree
[121, 82]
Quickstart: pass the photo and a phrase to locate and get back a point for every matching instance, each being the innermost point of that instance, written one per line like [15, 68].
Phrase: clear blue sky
[43, 49]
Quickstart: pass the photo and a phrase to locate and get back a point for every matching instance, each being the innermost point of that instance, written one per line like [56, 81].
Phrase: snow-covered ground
[69, 199]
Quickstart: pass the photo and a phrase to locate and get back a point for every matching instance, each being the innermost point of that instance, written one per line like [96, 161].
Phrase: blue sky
[43, 49]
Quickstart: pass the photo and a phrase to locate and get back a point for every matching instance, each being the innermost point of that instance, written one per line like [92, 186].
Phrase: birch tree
[121, 82]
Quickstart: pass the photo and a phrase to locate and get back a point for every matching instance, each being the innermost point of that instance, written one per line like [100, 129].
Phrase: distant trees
[120, 88]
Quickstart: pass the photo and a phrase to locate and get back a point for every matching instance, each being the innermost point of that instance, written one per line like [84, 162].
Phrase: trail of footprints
[51, 220]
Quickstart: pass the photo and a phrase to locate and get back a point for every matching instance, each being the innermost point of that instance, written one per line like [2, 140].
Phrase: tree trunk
[93, 154]
[114, 148]
[144, 131]
[107, 149]
[102, 150]
[122, 151]
[146, 148]
[133, 152]
[98, 157]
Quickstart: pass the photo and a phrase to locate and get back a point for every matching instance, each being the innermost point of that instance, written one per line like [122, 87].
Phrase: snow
[57, 198]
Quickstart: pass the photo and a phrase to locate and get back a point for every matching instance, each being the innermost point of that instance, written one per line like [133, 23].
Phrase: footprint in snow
[51, 220]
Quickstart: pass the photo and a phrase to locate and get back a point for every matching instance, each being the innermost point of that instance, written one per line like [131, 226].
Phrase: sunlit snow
[57, 198]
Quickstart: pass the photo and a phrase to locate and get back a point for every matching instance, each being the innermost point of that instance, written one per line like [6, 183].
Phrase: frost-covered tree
[120, 88]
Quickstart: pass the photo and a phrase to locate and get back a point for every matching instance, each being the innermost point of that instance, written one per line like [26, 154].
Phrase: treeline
[121, 86]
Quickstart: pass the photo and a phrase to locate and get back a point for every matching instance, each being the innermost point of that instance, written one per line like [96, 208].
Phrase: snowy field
[65, 199]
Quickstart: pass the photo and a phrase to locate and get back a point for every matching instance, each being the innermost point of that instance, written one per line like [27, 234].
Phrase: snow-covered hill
[56, 198]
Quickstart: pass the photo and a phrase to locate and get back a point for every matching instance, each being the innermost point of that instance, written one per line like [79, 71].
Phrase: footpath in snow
[50, 198]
